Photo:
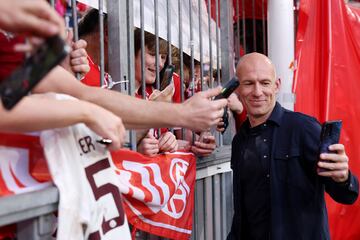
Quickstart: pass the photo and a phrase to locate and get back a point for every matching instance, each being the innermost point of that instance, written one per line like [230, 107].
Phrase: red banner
[158, 191]
[327, 86]
[22, 166]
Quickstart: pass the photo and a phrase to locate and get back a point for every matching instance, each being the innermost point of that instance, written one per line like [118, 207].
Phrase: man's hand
[234, 103]
[338, 166]
[30, 17]
[105, 124]
[202, 112]
[164, 95]
[205, 146]
[168, 142]
[235, 106]
[220, 126]
[149, 145]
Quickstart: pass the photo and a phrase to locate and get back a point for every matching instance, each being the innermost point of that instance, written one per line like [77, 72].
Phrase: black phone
[330, 134]
[167, 76]
[28, 75]
[229, 88]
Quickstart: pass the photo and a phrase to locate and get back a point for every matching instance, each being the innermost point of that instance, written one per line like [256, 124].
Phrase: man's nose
[257, 91]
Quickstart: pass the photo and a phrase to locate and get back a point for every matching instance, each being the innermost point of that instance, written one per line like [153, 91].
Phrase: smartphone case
[32, 71]
[330, 134]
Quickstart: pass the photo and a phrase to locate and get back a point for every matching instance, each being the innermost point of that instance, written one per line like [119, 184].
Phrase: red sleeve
[9, 59]
[92, 78]
[177, 84]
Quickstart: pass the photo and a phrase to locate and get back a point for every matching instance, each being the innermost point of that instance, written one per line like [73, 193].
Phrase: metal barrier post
[227, 52]
[121, 48]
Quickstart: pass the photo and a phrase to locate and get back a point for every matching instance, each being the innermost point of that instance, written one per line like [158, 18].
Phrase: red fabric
[82, 7]
[165, 183]
[38, 170]
[174, 171]
[260, 9]
[9, 59]
[7, 232]
[259, 6]
[92, 78]
[327, 86]
[239, 119]
[177, 83]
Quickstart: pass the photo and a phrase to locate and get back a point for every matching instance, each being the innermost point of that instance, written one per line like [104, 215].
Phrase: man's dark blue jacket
[298, 208]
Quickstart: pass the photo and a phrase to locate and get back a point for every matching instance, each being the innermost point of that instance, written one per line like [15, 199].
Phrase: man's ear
[277, 84]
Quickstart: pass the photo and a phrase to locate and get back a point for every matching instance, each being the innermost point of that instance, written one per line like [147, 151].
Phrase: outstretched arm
[197, 113]
[35, 113]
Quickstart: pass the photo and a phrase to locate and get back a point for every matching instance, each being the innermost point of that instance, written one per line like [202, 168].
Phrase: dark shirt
[255, 178]
[297, 204]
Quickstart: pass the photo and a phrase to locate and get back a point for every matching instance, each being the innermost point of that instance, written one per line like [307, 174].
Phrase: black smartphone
[28, 75]
[167, 76]
[330, 134]
[229, 88]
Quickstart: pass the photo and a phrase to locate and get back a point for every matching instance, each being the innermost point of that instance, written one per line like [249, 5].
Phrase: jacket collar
[276, 115]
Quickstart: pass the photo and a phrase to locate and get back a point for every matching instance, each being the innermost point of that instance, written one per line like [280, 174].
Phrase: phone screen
[34, 68]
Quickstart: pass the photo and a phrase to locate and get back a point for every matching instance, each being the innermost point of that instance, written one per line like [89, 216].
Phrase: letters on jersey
[90, 200]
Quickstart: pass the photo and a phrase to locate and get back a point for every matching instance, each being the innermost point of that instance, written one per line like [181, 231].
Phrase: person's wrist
[181, 116]
[87, 112]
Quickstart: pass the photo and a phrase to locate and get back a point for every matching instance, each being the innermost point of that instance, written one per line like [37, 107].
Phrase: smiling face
[149, 57]
[258, 86]
[149, 66]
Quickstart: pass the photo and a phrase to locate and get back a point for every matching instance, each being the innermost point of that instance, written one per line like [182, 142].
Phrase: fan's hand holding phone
[34, 68]
[330, 134]
[167, 78]
[229, 88]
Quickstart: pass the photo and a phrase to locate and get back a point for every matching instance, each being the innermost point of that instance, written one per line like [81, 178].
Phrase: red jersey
[92, 78]
[9, 59]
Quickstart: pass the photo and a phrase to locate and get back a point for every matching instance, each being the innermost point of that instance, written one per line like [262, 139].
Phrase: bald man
[278, 192]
